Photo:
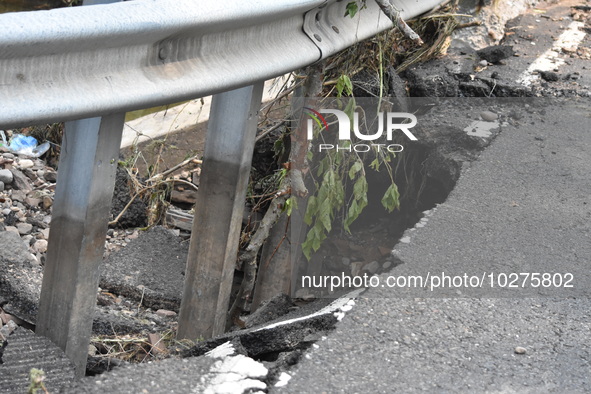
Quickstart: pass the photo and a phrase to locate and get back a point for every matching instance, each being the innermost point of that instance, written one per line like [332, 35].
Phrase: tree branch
[292, 184]
[248, 259]
[394, 15]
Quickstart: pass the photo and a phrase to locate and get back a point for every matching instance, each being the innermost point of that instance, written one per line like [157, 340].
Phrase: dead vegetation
[396, 48]
[138, 348]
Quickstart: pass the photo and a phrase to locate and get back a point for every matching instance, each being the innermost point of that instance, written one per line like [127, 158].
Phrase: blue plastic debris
[24, 145]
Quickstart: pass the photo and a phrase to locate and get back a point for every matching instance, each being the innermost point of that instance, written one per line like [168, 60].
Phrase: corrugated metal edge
[332, 32]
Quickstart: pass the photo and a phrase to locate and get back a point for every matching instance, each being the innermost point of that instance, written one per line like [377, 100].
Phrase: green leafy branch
[341, 183]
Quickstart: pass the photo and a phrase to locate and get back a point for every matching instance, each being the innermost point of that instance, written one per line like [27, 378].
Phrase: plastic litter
[24, 145]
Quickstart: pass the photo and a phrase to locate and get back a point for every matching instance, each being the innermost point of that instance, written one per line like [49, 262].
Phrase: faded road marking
[549, 60]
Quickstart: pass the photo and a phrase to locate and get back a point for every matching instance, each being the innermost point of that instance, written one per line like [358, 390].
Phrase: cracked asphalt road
[523, 207]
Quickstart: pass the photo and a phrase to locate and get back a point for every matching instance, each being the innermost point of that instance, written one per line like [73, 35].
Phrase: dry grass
[138, 348]
[392, 48]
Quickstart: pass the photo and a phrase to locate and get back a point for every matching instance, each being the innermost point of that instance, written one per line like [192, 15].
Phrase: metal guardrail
[79, 62]
[91, 64]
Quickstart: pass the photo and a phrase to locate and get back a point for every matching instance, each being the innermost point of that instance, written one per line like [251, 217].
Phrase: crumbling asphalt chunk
[136, 214]
[549, 76]
[275, 338]
[476, 88]
[397, 88]
[167, 376]
[455, 76]
[431, 79]
[149, 269]
[500, 88]
[495, 53]
[222, 371]
[20, 277]
[272, 309]
[24, 350]
[20, 288]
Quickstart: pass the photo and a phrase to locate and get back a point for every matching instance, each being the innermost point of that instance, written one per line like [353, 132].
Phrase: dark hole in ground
[425, 173]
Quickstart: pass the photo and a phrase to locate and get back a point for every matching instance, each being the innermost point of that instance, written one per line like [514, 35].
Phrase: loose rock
[136, 213]
[12, 229]
[20, 181]
[47, 202]
[6, 176]
[165, 313]
[24, 228]
[496, 53]
[40, 246]
[489, 116]
[50, 176]
[184, 196]
[32, 202]
[18, 195]
[26, 163]
[520, 350]
[549, 76]
[157, 344]
[372, 267]
[356, 267]
[45, 233]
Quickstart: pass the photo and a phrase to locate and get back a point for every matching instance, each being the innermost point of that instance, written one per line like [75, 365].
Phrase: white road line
[233, 373]
[549, 60]
[336, 307]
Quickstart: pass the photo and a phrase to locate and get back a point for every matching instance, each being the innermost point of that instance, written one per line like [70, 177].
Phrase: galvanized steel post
[86, 177]
[218, 212]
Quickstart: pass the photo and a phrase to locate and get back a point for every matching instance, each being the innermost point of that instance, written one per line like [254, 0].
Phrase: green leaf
[375, 164]
[344, 85]
[310, 210]
[290, 204]
[391, 201]
[339, 195]
[352, 214]
[351, 9]
[316, 241]
[278, 147]
[307, 248]
[350, 109]
[329, 178]
[320, 170]
[360, 188]
[356, 208]
[324, 214]
[355, 168]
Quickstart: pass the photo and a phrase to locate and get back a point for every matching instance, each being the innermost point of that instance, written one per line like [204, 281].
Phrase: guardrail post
[218, 212]
[86, 178]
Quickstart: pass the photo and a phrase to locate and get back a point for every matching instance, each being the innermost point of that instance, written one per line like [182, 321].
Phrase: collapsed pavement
[463, 75]
[20, 351]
